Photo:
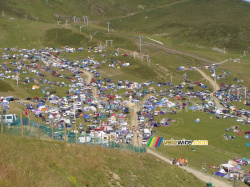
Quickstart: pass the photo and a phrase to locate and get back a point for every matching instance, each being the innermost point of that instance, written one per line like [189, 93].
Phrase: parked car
[240, 161]
[144, 142]
[247, 132]
[247, 160]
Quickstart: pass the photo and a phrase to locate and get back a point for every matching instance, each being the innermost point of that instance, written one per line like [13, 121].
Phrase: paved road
[201, 175]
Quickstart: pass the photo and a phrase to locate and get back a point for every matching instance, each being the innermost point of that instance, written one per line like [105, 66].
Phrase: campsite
[122, 79]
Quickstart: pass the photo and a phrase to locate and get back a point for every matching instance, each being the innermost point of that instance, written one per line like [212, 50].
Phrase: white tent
[227, 166]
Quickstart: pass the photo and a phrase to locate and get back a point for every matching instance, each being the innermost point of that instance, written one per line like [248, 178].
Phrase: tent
[35, 87]
[232, 162]
[248, 144]
[221, 173]
[86, 116]
[5, 103]
[229, 167]
[197, 120]
[247, 136]
[39, 104]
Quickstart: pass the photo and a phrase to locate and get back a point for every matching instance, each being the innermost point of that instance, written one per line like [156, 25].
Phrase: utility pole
[224, 50]
[91, 37]
[1, 118]
[108, 23]
[47, 2]
[140, 42]
[87, 21]
[3, 14]
[214, 80]
[36, 19]
[66, 21]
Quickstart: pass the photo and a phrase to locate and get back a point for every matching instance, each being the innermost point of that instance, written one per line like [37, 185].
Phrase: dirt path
[211, 81]
[89, 76]
[138, 12]
[202, 176]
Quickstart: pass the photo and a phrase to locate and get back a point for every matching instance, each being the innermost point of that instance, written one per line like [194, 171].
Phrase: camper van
[9, 118]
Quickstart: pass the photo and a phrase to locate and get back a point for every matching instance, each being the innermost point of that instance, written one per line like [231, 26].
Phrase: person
[213, 171]
[186, 161]
[177, 163]
[231, 175]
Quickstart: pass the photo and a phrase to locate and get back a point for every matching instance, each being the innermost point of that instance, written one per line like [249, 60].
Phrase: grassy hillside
[43, 163]
[5, 87]
[96, 10]
[215, 22]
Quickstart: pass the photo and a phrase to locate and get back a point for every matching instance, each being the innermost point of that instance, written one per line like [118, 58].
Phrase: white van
[9, 118]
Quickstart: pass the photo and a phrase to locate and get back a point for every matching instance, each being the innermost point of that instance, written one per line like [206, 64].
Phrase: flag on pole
[26, 111]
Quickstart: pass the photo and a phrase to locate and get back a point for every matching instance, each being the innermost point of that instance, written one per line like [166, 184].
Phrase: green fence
[33, 129]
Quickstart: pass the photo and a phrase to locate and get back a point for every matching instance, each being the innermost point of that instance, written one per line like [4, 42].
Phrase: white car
[144, 142]
[99, 106]
[239, 120]
[156, 113]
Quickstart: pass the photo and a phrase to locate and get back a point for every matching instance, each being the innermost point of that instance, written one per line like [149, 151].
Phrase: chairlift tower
[108, 23]
[142, 57]
[111, 42]
[140, 43]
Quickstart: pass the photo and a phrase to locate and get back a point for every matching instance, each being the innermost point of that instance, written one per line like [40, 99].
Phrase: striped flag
[154, 141]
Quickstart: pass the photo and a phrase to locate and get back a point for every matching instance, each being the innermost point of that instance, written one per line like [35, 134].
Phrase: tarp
[220, 174]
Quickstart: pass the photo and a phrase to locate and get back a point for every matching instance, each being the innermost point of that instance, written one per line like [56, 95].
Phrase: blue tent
[5, 103]
[39, 104]
[248, 144]
[149, 115]
[103, 116]
[220, 174]
[86, 116]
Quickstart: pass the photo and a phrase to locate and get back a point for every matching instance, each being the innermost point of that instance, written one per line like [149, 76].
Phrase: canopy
[229, 167]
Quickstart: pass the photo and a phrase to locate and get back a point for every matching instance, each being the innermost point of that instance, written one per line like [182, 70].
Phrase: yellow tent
[35, 87]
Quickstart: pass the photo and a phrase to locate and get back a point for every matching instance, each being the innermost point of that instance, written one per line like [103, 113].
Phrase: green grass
[5, 87]
[64, 37]
[218, 23]
[42, 163]
[217, 152]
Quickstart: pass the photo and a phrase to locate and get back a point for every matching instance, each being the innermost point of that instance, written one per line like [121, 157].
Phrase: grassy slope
[96, 10]
[43, 163]
[220, 23]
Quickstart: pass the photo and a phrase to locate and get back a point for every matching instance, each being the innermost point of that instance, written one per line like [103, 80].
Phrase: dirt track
[201, 175]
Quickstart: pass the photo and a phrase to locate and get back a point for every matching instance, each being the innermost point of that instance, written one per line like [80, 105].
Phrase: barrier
[41, 131]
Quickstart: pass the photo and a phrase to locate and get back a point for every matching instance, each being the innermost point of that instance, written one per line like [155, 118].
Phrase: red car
[240, 161]
[247, 132]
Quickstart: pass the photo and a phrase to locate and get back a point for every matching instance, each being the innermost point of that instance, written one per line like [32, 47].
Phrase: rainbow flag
[154, 141]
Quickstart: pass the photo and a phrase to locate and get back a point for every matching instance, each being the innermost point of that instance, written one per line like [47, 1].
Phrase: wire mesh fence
[38, 130]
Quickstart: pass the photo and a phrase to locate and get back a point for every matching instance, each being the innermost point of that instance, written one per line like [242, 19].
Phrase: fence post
[52, 130]
[65, 133]
[38, 130]
[85, 135]
[76, 133]
[94, 138]
[1, 119]
[21, 121]
[101, 140]
[109, 142]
